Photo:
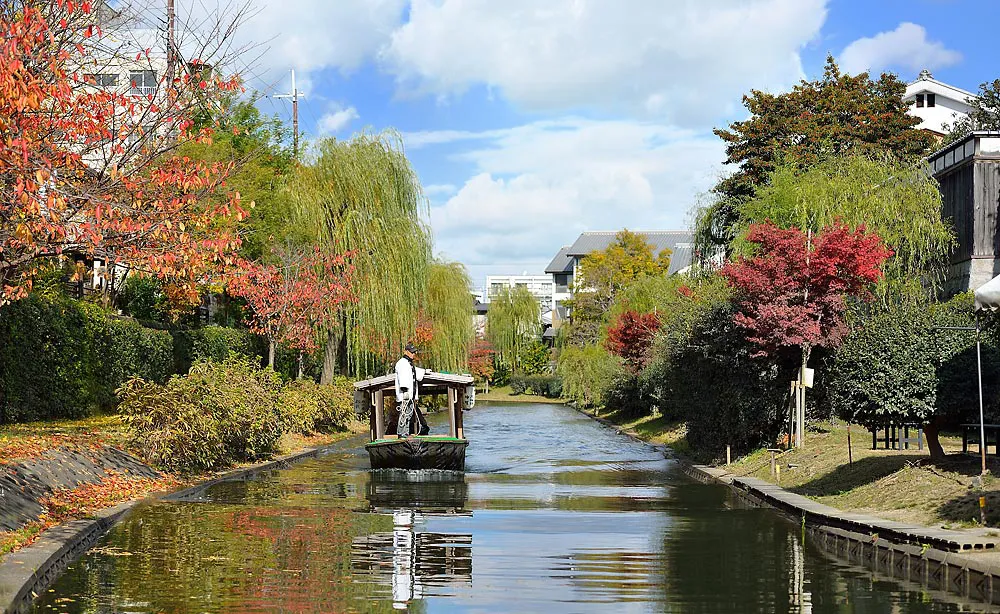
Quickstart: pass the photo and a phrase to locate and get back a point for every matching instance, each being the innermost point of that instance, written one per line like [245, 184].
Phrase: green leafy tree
[900, 366]
[896, 201]
[534, 359]
[513, 324]
[835, 114]
[448, 309]
[587, 373]
[985, 114]
[606, 273]
[364, 197]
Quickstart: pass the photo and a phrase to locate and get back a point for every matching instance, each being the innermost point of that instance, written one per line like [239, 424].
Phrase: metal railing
[143, 90]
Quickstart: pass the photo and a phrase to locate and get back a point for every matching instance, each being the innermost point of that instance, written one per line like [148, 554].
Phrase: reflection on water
[554, 514]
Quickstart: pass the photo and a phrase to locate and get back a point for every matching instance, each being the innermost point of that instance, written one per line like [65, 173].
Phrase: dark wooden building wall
[957, 206]
[987, 199]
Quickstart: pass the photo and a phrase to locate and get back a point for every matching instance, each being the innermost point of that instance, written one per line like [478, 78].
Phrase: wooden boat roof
[432, 380]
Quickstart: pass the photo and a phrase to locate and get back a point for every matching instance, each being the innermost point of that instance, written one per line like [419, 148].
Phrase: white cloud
[439, 189]
[540, 184]
[686, 61]
[905, 47]
[336, 120]
[305, 35]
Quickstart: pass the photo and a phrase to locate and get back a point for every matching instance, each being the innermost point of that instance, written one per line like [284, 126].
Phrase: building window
[102, 80]
[143, 82]
[930, 100]
[920, 100]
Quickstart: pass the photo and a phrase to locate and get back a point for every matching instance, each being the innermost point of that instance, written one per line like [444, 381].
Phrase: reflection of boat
[387, 450]
[411, 561]
[424, 491]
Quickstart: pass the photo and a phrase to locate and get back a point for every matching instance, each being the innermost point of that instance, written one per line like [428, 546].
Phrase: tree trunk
[270, 353]
[331, 353]
[931, 431]
[301, 364]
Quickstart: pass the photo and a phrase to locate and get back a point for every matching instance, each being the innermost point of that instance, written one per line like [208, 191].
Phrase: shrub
[215, 343]
[46, 359]
[169, 428]
[629, 394]
[217, 414]
[534, 359]
[518, 384]
[123, 349]
[307, 407]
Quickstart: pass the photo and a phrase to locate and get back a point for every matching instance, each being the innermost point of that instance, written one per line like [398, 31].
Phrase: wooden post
[372, 419]
[452, 423]
[729, 455]
[459, 414]
[379, 414]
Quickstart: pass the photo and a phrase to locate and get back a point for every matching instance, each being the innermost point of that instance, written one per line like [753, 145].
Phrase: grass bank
[907, 486]
[504, 393]
[22, 442]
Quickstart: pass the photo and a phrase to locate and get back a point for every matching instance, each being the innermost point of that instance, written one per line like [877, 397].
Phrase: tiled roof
[562, 263]
[680, 242]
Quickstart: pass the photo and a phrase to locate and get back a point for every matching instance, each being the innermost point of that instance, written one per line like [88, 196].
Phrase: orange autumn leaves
[73, 178]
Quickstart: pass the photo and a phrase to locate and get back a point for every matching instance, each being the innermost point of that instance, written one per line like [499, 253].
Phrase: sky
[531, 121]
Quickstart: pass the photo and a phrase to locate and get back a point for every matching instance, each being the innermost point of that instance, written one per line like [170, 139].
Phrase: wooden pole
[451, 412]
[379, 414]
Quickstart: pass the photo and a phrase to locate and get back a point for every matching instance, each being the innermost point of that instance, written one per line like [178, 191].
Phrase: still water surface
[555, 513]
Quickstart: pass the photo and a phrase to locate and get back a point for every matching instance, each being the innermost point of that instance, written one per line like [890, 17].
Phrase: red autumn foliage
[293, 301]
[481, 360]
[631, 336]
[792, 293]
[86, 169]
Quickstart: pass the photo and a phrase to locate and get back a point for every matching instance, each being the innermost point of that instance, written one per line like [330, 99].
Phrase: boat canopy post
[459, 411]
[379, 414]
[452, 404]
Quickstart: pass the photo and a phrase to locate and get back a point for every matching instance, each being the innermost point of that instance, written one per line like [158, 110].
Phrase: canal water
[555, 513]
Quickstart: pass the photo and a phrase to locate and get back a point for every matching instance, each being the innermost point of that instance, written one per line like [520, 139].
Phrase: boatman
[408, 377]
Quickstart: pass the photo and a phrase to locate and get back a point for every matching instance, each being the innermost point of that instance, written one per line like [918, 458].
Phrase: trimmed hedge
[550, 386]
[216, 343]
[59, 358]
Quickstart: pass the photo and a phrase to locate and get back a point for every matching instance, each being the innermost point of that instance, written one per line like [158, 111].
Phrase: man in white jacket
[408, 377]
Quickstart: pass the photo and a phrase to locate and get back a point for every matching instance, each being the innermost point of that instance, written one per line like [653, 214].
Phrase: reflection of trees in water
[196, 558]
[751, 560]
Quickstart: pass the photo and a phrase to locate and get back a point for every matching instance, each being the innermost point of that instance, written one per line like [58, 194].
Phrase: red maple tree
[293, 300]
[631, 336]
[792, 291]
[481, 361]
[81, 171]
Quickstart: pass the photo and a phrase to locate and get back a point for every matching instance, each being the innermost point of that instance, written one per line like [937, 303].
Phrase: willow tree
[512, 323]
[448, 311]
[897, 201]
[362, 196]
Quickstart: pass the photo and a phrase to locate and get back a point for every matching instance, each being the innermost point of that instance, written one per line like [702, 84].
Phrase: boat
[389, 451]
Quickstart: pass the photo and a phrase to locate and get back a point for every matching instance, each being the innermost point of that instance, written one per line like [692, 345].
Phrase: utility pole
[295, 115]
[171, 18]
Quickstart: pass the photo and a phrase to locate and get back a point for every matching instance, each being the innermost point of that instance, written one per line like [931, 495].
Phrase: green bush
[123, 349]
[629, 394]
[518, 384]
[534, 359]
[46, 359]
[308, 407]
[169, 428]
[234, 401]
[215, 343]
[142, 298]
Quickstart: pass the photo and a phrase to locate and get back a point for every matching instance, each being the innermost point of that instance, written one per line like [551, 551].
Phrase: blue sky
[530, 121]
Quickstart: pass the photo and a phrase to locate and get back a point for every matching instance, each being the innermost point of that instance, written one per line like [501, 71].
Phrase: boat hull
[427, 452]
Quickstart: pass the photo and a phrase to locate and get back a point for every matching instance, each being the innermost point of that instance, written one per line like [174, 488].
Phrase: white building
[540, 286]
[937, 104]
